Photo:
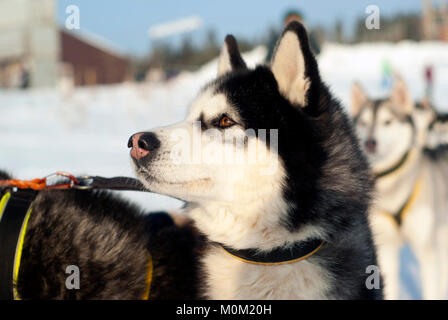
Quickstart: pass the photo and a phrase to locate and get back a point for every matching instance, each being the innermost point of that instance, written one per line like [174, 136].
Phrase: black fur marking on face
[203, 123]
[255, 96]
[375, 107]
[372, 104]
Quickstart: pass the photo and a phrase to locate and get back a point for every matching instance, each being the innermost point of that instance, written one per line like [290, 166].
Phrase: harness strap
[277, 256]
[115, 183]
[63, 180]
[395, 167]
[401, 214]
[15, 210]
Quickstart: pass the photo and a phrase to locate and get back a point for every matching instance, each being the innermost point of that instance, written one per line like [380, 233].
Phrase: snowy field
[86, 131]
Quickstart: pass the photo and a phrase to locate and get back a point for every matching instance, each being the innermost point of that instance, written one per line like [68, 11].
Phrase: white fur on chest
[229, 278]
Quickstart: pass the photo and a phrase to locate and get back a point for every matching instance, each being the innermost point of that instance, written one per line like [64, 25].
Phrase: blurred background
[78, 77]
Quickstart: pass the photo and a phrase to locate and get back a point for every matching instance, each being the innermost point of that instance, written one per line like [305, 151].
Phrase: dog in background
[438, 127]
[411, 186]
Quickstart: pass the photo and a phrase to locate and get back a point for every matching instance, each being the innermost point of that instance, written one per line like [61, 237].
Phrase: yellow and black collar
[277, 256]
[395, 167]
[401, 214]
[15, 210]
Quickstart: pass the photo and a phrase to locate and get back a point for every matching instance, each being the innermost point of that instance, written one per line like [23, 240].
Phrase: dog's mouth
[152, 179]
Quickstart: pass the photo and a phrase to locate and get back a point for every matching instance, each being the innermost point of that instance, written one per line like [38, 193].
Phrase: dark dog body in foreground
[314, 187]
[108, 239]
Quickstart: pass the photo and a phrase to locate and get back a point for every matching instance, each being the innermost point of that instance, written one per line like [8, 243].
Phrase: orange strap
[40, 183]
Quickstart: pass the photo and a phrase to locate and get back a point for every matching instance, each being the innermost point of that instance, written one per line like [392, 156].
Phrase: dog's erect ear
[425, 104]
[401, 98]
[230, 57]
[4, 176]
[294, 65]
[358, 97]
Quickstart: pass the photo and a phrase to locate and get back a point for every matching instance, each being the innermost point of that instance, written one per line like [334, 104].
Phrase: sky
[126, 22]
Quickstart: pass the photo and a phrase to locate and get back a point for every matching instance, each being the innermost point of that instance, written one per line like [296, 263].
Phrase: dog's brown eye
[226, 122]
[362, 123]
[388, 122]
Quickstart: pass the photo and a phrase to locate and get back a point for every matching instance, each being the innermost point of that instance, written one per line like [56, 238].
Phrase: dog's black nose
[142, 144]
[371, 145]
[148, 141]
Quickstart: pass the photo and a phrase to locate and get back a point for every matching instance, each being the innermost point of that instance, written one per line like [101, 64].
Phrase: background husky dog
[108, 239]
[320, 187]
[438, 128]
[411, 186]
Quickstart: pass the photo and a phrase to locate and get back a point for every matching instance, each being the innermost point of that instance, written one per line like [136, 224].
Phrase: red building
[90, 62]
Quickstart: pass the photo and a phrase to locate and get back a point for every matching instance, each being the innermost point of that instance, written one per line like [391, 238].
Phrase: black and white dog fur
[320, 186]
[108, 239]
[411, 184]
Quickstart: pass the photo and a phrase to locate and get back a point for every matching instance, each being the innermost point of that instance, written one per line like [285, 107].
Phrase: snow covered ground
[86, 131]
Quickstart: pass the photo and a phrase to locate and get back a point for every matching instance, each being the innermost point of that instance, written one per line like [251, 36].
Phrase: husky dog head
[389, 128]
[438, 126]
[295, 169]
